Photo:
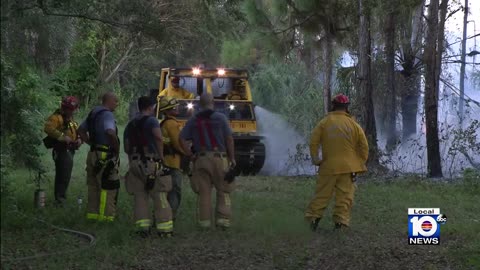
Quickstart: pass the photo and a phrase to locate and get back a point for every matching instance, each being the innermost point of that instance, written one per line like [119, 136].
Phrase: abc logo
[425, 226]
[442, 219]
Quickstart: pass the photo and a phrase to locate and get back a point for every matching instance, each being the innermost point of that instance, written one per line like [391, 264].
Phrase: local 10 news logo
[424, 226]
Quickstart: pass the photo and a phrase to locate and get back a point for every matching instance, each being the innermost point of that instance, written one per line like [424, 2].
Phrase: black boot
[165, 234]
[340, 226]
[314, 224]
[143, 233]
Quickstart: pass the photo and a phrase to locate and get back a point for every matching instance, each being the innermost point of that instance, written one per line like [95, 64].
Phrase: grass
[268, 233]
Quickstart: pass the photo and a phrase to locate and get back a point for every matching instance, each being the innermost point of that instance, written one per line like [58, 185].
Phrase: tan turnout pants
[135, 181]
[209, 170]
[102, 187]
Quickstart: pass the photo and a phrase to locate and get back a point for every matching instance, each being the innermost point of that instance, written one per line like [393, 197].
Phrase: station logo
[424, 226]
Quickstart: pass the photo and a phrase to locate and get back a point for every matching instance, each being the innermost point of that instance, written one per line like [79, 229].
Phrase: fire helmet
[341, 99]
[70, 102]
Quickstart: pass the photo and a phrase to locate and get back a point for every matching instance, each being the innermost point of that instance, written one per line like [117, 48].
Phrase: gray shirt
[197, 130]
[103, 122]
[147, 130]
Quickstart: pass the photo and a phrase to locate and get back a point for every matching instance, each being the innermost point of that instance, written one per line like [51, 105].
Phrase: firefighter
[61, 129]
[214, 154]
[100, 131]
[146, 177]
[344, 154]
[171, 148]
[174, 90]
[238, 92]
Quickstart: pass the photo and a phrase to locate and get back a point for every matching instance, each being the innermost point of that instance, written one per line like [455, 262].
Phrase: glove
[317, 162]
[165, 170]
[229, 176]
[106, 183]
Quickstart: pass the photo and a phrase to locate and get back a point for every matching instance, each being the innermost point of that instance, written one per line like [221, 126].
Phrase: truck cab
[232, 97]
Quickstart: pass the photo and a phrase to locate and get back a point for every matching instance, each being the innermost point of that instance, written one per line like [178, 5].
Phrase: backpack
[137, 136]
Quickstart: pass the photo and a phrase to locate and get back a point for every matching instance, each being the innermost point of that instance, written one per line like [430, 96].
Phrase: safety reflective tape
[92, 216]
[204, 223]
[106, 218]
[165, 226]
[103, 155]
[143, 223]
[103, 203]
[223, 222]
[228, 202]
[163, 200]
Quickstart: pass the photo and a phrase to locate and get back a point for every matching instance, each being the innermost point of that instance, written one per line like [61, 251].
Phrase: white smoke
[410, 156]
[285, 147]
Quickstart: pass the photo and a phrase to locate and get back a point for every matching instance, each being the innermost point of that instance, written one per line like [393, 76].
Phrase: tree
[364, 79]
[434, 44]
[410, 25]
[390, 76]
[462, 67]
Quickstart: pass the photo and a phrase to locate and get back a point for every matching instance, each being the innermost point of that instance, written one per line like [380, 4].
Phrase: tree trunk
[462, 67]
[410, 97]
[327, 82]
[391, 93]
[409, 105]
[365, 83]
[431, 90]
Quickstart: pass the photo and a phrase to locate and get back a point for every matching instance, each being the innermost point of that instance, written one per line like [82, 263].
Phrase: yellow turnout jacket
[343, 142]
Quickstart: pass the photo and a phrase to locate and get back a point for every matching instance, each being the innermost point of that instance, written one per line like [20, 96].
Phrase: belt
[215, 154]
[146, 158]
[99, 147]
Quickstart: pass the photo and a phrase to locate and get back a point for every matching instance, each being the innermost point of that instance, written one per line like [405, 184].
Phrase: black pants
[63, 171]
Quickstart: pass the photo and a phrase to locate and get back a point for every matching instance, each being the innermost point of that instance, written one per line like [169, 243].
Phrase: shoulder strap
[91, 120]
[204, 123]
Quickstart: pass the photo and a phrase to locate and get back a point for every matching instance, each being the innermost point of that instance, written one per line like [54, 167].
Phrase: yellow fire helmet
[167, 103]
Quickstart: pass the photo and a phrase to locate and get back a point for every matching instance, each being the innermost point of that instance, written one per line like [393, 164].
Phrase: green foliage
[24, 109]
[288, 90]
[26, 102]
[237, 53]
[79, 76]
[465, 142]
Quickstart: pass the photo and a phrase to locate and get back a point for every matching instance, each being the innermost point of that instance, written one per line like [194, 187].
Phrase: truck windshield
[188, 83]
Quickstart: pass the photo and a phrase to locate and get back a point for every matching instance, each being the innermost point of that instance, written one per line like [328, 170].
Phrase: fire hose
[89, 237]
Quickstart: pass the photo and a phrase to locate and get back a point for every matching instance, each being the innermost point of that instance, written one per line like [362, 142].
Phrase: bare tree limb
[122, 60]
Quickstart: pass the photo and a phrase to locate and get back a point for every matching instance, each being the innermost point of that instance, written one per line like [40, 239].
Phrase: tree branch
[46, 11]
[120, 62]
[294, 25]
